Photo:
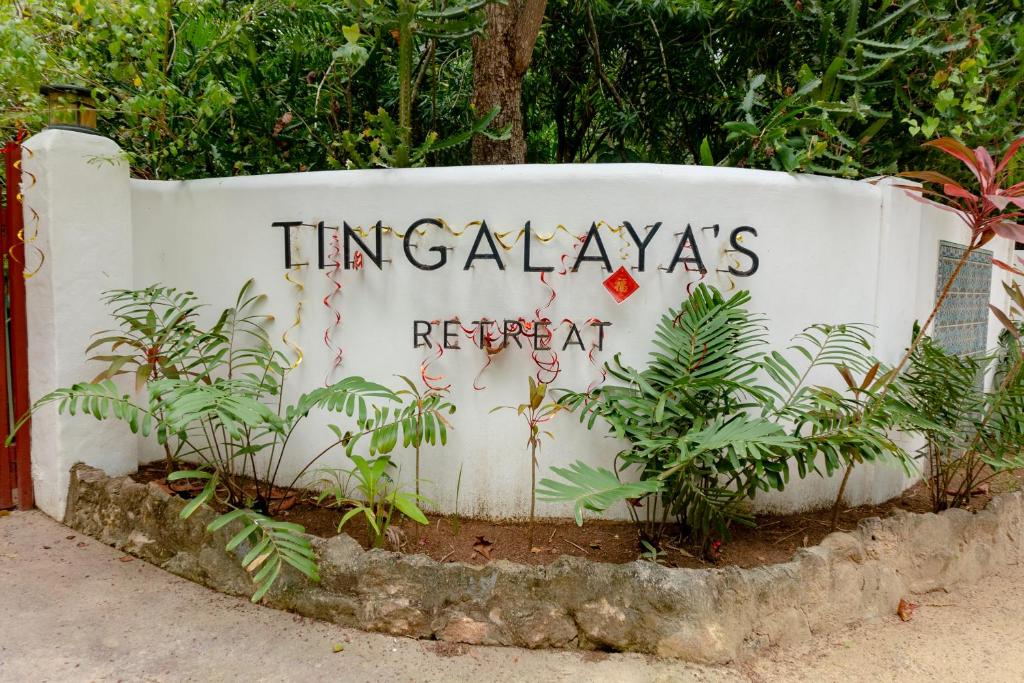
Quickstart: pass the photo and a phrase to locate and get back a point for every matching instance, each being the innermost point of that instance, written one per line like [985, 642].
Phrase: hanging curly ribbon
[300, 291]
[546, 367]
[35, 220]
[690, 268]
[429, 381]
[491, 350]
[703, 274]
[735, 264]
[552, 366]
[334, 277]
[592, 357]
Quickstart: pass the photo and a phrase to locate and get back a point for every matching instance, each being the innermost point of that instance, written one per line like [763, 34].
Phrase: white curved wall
[829, 251]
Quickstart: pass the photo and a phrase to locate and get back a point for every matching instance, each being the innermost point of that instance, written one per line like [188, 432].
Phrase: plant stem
[419, 426]
[417, 471]
[533, 485]
[839, 498]
[931, 317]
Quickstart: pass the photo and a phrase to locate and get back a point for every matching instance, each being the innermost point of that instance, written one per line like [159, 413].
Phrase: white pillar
[78, 186]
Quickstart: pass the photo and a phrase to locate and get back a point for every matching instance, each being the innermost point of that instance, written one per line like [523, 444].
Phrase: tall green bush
[214, 399]
[716, 417]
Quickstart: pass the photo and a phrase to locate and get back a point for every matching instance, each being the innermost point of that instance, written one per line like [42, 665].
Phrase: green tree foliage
[845, 87]
[194, 88]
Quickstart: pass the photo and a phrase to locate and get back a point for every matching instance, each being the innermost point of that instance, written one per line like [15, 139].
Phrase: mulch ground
[476, 541]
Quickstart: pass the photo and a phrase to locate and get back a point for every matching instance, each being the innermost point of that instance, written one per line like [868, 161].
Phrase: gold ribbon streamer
[300, 290]
[35, 220]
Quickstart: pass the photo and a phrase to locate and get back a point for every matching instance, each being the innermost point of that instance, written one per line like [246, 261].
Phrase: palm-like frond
[272, 544]
[590, 488]
[702, 423]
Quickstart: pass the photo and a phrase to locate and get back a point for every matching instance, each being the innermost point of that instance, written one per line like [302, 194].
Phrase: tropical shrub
[216, 394]
[978, 433]
[706, 430]
[191, 88]
[841, 87]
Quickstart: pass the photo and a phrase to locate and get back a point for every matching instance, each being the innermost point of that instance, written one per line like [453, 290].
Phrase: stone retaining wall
[701, 615]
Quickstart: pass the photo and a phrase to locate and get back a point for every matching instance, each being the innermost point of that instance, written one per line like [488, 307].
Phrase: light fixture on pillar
[70, 107]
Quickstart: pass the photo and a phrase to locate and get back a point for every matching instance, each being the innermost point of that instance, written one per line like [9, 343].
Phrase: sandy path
[72, 610]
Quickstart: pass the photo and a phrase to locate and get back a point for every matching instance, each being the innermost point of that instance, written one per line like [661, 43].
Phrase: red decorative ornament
[621, 285]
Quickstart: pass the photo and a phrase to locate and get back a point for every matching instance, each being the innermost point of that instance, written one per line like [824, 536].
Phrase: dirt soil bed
[477, 541]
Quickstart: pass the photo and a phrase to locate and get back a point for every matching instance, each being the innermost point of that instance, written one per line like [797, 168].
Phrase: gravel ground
[72, 609]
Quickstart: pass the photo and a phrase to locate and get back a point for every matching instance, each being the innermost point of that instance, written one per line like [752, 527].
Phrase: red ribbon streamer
[334, 277]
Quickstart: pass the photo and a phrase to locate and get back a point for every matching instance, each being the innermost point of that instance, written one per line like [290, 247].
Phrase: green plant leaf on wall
[591, 488]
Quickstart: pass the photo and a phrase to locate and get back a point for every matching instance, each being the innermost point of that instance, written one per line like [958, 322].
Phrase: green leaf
[705, 153]
[590, 488]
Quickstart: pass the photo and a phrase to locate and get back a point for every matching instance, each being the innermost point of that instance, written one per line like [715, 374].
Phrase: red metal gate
[15, 465]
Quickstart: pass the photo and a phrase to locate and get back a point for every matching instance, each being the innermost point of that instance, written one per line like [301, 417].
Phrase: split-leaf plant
[979, 432]
[705, 431]
[218, 394]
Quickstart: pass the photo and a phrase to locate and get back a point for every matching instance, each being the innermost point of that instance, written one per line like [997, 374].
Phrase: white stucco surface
[828, 250]
[83, 200]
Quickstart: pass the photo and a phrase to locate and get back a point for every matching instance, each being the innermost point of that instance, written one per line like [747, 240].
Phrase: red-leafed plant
[989, 210]
[992, 209]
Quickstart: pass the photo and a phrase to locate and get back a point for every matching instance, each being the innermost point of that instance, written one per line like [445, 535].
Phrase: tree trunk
[501, 57]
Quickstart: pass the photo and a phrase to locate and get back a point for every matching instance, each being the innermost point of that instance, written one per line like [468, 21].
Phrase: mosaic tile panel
[961, 327]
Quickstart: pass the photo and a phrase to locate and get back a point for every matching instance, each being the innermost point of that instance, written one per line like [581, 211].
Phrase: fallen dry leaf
[4, 513]
[905, 610]
[126, 558]
[535, 550]
[81, 544]
[483, 546]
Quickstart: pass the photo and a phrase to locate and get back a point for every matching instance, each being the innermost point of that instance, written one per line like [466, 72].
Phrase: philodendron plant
[213, 398]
